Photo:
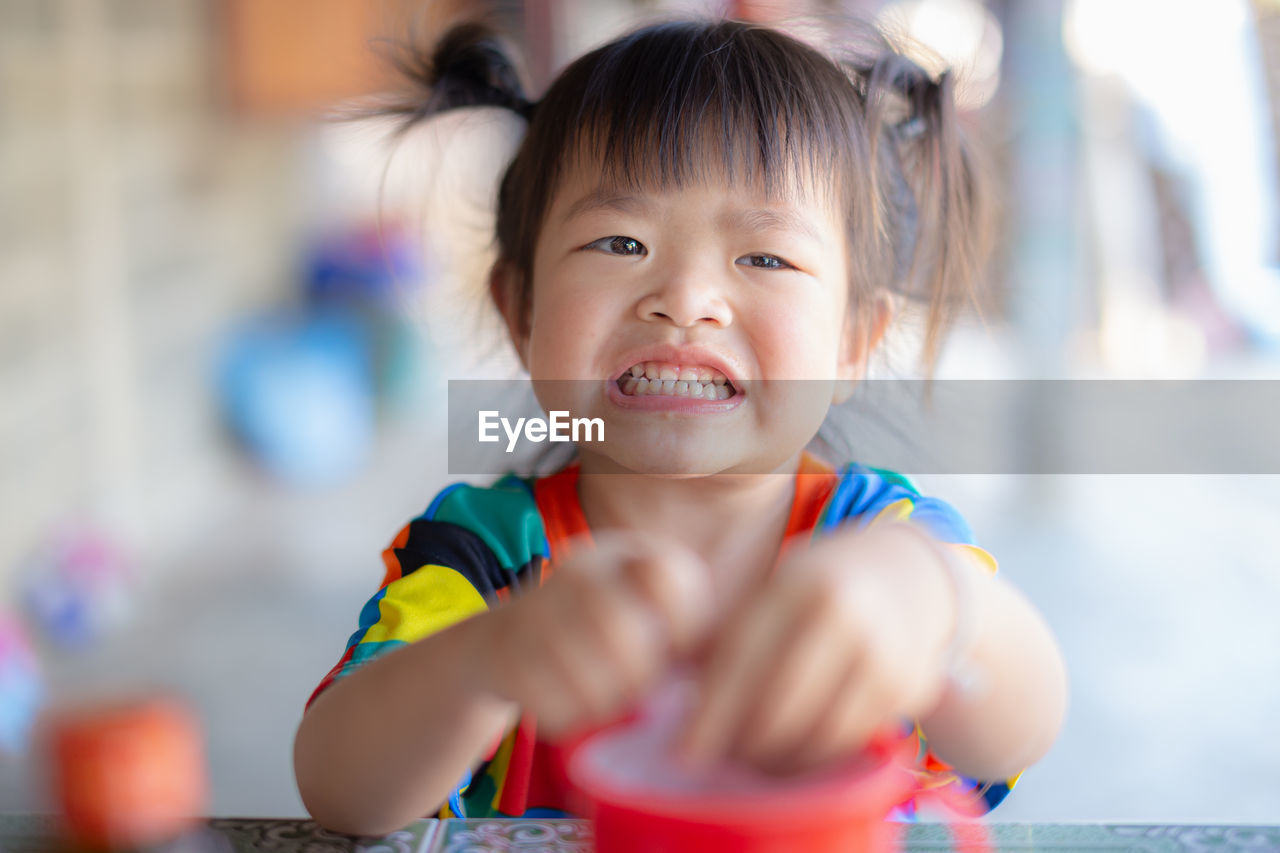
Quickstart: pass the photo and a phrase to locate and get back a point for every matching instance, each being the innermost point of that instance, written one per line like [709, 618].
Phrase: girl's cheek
[565, 343]
[804, 355]
[786, 343]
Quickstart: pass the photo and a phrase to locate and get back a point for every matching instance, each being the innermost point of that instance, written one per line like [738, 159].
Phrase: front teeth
[655, 377]
[672, 387]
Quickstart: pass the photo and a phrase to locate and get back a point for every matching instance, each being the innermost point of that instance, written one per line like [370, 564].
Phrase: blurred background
[226, 325]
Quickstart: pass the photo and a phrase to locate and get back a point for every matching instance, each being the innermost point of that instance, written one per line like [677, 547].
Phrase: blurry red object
[641, 796]
[831, 812]
[129, 774]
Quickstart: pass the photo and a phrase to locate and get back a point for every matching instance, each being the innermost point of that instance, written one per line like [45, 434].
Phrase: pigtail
[470, 66]
[935, 213]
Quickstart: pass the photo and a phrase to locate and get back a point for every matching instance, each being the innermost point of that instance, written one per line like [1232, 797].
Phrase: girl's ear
[858, 342]
[504, 289]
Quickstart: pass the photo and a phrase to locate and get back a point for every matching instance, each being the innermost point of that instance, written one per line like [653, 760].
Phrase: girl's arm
[387, 743]
[1010, 714]
[384, 745]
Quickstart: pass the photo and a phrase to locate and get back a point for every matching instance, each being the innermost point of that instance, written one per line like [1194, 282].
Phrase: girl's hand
[585, 647]
[849, 636]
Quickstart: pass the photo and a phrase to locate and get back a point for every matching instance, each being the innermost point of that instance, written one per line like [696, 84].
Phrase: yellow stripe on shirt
[422, 603]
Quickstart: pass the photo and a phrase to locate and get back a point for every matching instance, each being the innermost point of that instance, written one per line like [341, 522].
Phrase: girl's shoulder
[504, 494]
[503, 514]
[864, 494]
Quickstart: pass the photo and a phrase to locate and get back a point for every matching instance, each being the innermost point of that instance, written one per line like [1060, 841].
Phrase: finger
[865, 705]
[629, 641]
[807, 677]
[545, 658]
[611, 646]
[830, 738]
[584, 645]
[725, 613]
[733, 679]
[581, 687]
[675, 582]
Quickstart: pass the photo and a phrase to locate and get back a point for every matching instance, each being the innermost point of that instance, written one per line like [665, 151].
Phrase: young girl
[702, 226]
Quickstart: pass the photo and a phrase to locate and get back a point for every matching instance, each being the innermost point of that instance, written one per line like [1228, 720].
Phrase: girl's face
[736, 306]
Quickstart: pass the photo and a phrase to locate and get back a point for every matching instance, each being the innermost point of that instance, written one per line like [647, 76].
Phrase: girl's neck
[736, 522]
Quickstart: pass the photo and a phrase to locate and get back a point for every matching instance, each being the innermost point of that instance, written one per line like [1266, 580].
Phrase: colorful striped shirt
[475, 547]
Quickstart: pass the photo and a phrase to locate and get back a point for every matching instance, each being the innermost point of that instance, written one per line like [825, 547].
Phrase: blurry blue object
[298, 392]
[369, 266]
[21, 688]
[369, 272]
[77, 587]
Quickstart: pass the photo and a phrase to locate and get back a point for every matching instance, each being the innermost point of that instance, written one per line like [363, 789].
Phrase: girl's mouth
[662, 379]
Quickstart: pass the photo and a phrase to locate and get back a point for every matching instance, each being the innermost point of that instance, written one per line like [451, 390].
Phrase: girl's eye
[620, 245]
[765, 262]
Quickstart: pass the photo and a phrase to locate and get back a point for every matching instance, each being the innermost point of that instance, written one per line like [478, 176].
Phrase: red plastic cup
[128, 774]
[642, 799]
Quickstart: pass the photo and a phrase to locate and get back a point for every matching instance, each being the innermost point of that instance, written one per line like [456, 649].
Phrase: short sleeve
[469, 550]
[864, 497]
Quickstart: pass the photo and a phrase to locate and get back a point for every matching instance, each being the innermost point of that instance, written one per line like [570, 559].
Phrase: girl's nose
[686, 300]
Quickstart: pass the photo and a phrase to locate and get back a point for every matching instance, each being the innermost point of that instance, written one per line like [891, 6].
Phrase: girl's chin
[662, 462]
[650, 467]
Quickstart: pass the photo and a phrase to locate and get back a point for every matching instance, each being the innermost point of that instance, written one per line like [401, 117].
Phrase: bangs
[684, 103]
[870, 133]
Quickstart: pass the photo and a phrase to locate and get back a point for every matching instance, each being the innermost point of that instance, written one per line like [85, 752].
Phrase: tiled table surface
[32, 834]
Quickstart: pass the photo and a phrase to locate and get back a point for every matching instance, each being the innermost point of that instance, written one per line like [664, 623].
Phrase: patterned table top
[36, 834]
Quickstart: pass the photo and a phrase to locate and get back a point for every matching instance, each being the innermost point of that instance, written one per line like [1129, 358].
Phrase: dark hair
[663, 104]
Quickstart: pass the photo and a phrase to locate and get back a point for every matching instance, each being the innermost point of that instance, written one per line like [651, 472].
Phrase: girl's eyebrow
[605, 199]
[759, 219]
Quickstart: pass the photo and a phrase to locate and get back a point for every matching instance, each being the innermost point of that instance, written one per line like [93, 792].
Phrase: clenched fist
[590, 643]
